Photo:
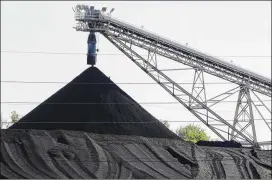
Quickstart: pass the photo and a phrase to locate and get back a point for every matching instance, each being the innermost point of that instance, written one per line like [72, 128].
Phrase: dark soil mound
[93, 103]
[232, 144]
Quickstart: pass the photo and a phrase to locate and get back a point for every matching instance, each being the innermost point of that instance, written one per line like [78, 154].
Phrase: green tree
[14, 117]
[192, 133]
[166, 123]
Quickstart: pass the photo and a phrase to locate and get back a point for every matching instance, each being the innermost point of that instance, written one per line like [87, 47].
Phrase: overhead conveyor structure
[127, 37]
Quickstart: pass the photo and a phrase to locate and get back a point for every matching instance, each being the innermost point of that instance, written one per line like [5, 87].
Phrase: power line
[108, 103]
[74, 53]
[116, 122]
[99, 122]
[62, 53]
[81, 83]
[74, 103]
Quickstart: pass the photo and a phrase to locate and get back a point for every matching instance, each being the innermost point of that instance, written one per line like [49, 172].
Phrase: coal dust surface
[60, 154]
[232, 144]
[93, 103]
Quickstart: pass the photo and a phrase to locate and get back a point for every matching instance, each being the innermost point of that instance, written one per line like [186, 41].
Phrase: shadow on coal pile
[232, 144]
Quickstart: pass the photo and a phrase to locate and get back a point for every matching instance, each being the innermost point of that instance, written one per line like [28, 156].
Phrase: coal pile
[232, 144]
[58, 154]
[93, 103]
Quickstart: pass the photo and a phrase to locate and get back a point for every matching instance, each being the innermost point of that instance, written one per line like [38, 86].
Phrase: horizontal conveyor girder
[188, 50]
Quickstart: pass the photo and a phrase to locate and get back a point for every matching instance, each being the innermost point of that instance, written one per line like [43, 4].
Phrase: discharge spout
[91, 56]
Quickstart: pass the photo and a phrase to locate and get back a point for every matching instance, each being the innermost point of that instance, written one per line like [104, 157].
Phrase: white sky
[237, 31]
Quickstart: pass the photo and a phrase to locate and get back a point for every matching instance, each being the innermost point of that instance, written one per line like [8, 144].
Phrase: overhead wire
[118, 122]
[82, 83]
[79, 53]
[109, 103]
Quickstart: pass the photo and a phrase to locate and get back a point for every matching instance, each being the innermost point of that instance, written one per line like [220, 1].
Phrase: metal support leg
[199, 92]
[198, 89]
[244, 113]
[251, 117]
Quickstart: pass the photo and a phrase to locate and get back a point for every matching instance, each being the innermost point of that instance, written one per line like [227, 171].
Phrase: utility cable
[74, 53]
[109, 103]
[82, 83]
[118, 122]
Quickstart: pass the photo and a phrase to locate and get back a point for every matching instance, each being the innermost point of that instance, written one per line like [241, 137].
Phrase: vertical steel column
[244, 113]
[239, 102]
[198, 91]
[251, 116]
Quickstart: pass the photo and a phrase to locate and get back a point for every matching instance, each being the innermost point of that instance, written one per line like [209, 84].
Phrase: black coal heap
[90, 98]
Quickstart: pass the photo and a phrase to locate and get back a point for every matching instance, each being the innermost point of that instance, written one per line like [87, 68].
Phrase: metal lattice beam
[175, 90]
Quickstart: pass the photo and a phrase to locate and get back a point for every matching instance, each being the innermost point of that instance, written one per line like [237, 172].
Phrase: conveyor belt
[175, 45]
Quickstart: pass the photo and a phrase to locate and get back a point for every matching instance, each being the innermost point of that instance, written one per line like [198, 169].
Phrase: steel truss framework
[126, 40]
